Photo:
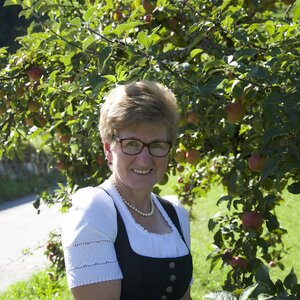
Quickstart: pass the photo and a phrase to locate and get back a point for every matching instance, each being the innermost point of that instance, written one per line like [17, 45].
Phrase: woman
[120, 240]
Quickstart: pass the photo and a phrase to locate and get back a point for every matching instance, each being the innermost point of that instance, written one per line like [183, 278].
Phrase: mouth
[141, 172]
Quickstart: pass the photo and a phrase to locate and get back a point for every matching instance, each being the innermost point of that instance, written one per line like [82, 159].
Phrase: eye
[132, 144]
[159, 145]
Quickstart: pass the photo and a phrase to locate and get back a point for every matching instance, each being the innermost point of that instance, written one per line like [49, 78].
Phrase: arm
[109, 290]
[187, 295]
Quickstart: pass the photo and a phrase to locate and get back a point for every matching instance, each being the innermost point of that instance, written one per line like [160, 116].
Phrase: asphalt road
[22, 228]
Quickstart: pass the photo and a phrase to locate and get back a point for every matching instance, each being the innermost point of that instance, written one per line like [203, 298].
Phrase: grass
[11, 189]
[40, 287]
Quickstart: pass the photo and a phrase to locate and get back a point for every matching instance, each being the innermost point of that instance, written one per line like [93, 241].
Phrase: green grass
[11, 189]
[40, 287]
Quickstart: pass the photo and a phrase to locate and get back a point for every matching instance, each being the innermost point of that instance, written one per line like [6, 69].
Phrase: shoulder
[181, 211]
[92, 212]
[91, 197]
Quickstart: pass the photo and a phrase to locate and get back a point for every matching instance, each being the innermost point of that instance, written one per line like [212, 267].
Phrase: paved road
[22, 228]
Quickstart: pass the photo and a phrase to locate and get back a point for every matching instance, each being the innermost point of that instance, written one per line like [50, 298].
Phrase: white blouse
[90, 229]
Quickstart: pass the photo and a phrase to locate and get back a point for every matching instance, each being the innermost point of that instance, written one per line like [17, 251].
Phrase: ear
[107, 151]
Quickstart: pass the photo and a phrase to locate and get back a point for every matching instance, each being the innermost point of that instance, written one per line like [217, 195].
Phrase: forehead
[146, 132]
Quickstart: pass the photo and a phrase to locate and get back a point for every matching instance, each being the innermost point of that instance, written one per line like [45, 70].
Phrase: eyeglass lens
[133, 147]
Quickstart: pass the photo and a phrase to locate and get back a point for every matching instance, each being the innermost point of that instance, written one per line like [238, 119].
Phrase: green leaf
[248, 291]
[111, 78]
[244, 53]
[76, 22]
[125, 27]
[294, 188]
[296, 11]
[290, 280]
[270, 167]
[12, 2]
[143, 39]
[88, 41]
[270, 27]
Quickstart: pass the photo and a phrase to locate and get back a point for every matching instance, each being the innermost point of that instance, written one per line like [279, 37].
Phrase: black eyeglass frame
[119, 140]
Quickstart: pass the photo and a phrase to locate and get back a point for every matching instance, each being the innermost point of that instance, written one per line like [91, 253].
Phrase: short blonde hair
[138, 102]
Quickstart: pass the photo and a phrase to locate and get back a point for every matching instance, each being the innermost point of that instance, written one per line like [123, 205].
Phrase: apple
[180, 168]
[2, 108]
[288, 2]
[20, 91]
[148, 6]
[100, 160]
[256, 162]
[193, 156]
[2, 94]
[192, 117]
[235, 111]
[64, 138]
[118, 16]
[33, 106]
[252, 221]
[41, 120]
[29, 121]
[239, 262]
[60, 165]
[180, 155]
[225, 180]
[34, 73]
[148, 18]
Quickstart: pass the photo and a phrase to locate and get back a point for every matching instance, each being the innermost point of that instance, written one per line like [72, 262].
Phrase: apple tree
[234, 67]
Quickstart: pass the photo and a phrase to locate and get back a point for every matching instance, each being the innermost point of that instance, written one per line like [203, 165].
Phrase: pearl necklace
[136, 209]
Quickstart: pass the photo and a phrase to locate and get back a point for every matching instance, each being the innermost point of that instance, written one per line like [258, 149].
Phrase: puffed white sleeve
[183, 217]
[88, 235]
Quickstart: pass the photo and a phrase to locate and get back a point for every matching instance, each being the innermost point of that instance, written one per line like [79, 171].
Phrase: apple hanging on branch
[256, 162]
[34, 73]
[252, 221]
[235, 112]
[148, 6]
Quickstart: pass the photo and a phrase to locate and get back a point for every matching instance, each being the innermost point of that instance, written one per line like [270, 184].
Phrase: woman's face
[140, 172]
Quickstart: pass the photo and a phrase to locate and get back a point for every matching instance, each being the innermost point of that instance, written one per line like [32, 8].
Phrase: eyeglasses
[134, 147]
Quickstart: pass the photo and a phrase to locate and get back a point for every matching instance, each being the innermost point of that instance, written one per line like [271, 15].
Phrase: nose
[145, 154]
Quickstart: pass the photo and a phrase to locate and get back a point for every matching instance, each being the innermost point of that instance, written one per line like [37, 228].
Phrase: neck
[140, 200]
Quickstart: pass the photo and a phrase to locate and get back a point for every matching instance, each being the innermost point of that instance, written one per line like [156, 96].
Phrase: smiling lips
[142, 172]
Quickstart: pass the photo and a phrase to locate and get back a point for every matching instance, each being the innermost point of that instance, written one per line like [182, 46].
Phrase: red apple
[41, 120]
[180, 168]
[2, 108]
[64, 138]
[34, 73]
[252, 220]
[148, 6]
[29, 121]
[239, 262]
[118, 16]
[180, 155]
[60, 165]
[100, 160]
[235, 111]
[288, 2]
[193, 156]
[33, 106]
[2, 94]
[148, 18]
[256, 162]
[193, 117]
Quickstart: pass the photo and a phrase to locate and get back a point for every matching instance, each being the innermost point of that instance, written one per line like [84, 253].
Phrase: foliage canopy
[234, 66]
